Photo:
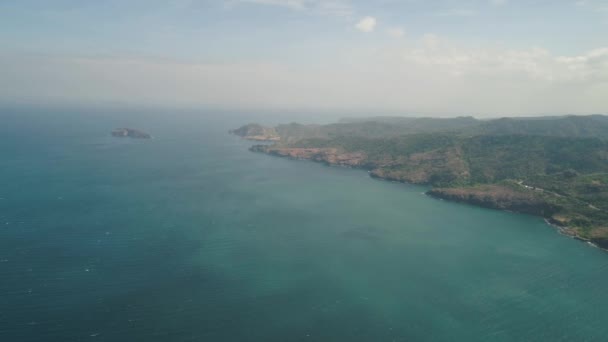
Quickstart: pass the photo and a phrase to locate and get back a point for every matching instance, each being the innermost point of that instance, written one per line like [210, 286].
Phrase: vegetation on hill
[567, 126]
[592, 126]
[257, 132]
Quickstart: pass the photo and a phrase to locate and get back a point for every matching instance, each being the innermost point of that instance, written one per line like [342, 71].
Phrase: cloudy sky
[479, 57]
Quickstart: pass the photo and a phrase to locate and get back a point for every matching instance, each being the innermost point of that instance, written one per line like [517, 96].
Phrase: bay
[191, 237]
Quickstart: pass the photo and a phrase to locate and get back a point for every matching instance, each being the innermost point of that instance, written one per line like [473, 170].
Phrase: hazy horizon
[485, 58]
[238, 117]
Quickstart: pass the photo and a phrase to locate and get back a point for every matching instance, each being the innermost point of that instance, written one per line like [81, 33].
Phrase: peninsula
[256, 132]
[553, 167]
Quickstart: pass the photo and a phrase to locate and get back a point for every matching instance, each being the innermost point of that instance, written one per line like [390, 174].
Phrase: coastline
[563, 230]
[569, 232]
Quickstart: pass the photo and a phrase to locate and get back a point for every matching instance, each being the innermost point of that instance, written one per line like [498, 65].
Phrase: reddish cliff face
[497, 197]
[529, 202]
[331, 156]
[431, 167]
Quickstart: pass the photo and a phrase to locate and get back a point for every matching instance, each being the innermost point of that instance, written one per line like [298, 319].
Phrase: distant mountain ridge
[595, 125]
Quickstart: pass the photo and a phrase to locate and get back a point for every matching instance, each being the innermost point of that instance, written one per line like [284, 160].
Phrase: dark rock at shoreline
[601, 243]
[505, 198]
[130, 133]
[329, 156]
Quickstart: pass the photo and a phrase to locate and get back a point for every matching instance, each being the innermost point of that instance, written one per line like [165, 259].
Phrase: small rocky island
[130, 133]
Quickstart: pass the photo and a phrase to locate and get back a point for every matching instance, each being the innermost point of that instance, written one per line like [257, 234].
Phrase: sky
[444, 57]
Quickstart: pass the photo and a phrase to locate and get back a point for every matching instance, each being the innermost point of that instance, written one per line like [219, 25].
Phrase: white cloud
[342, 8]
[293, 4]
[598, 6]
[367, 24]
[458, 13]
[396, 32]
[335, 7]
[430, 41]
[499, 2]
[499, 65]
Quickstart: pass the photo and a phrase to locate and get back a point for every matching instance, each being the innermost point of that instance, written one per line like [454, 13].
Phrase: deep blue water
[191, 237]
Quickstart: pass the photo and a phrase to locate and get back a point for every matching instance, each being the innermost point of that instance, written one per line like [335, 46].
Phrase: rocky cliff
[498, 197]
[556, 211]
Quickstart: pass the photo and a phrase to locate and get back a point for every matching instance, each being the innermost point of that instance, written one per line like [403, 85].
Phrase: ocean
[191, 237]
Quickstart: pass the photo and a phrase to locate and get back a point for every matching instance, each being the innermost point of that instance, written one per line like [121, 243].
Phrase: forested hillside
[555, 167]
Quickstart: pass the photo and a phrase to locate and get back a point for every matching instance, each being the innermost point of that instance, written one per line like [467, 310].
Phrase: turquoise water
[190, 237]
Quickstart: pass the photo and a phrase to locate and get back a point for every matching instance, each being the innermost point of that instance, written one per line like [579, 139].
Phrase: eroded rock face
[434, 167]
[130, 133]
[331, 156]
[497, 197]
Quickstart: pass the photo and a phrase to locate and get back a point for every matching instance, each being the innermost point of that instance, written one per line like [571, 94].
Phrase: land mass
[257, 132]
[553, 167]
[130, 133]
